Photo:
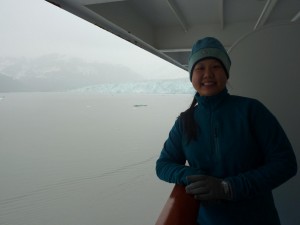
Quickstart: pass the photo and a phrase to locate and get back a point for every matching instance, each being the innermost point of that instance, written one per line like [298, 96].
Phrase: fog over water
[80, 157]
[83, 158]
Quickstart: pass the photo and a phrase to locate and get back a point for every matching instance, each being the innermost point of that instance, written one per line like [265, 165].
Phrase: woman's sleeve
[279, 159]
[170, 166]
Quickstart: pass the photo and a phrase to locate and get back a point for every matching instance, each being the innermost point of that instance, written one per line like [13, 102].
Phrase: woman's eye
[199, 68]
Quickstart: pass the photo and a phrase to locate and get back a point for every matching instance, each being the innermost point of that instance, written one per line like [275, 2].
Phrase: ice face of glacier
[173, 86]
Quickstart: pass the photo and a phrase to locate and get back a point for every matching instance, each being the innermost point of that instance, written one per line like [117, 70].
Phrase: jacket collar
[211, 102]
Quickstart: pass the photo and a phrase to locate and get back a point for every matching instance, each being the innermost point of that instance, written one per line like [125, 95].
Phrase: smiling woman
[209, 77]
[209, 66]
[228, 151]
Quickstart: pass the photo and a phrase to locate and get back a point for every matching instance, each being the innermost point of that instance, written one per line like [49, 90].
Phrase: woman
[235, 149]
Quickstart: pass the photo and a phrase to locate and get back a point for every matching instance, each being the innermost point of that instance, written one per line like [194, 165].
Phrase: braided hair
[189, 123]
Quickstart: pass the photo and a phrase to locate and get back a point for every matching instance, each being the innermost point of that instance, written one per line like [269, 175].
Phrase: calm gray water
[83, 159]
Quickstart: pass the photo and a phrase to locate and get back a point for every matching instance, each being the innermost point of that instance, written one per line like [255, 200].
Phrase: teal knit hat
[208, 47]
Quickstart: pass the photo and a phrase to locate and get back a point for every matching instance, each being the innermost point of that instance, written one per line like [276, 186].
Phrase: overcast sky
[31, 28]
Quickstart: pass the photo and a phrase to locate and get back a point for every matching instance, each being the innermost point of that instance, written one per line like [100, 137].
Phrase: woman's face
[209, 77]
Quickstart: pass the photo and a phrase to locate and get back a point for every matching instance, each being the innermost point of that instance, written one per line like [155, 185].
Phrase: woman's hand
[207, 188]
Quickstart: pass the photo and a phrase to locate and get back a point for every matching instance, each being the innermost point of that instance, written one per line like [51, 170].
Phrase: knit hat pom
[208, 47]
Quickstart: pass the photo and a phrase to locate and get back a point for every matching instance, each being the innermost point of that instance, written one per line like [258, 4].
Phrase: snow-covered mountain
[56, 72]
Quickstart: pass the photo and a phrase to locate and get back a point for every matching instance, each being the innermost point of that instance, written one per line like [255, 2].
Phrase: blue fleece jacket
[239, 140]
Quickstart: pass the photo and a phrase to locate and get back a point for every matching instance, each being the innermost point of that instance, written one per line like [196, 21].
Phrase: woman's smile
[209, 84]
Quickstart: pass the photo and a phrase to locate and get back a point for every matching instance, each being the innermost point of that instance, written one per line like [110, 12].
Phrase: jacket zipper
[212, 133]
[214, 139]
[215, 143]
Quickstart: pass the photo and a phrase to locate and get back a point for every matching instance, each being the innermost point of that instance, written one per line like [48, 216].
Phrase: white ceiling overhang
[168, 28]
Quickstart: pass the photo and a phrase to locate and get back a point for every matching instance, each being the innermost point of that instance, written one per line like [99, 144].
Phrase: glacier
[170, 86]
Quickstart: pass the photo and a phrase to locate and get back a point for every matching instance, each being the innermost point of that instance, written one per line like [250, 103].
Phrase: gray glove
[207, 188]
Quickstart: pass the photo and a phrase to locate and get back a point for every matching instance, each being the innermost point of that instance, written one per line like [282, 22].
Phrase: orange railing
[180, 209]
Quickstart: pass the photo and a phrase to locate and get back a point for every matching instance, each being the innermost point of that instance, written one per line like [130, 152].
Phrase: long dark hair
[189, 123]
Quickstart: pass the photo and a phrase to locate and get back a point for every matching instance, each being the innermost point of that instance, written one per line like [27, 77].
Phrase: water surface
[83, 159]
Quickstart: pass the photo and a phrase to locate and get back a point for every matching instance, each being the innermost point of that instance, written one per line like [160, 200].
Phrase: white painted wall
[266, 66]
